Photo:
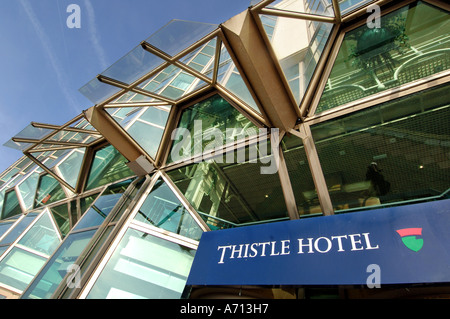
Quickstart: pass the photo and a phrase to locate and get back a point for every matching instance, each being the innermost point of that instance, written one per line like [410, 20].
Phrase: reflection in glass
[144, 266]
[96, 215]
[42, 237]
[11, 205]
[18, 268]
[300, 176]
[18, 229]
[148, 128]
[297, 43]
[108, 166]
[412, 43]
[163, 209]
[206, 125]
[49, 191]
[71, 166]
[61, 216]
[407, 139]
[229, 192]
[55, 269]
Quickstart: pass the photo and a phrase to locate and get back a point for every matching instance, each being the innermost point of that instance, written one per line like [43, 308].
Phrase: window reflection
[412, 43]
[144, 266]
[407, 139]
[163, 209]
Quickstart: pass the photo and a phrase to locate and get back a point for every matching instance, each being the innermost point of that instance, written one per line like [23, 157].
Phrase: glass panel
[412, 43]
[61, 216]
[298, 45]
[42, 237]
[144, 266]
[229, 76]
[300, 176]
[4, 227]
[108, 166]
[97, 91]
[232, 191]
[11, 205]
[19, 267]
[18, 229]
[178, 35]
[213, 118]
[348, 6]
[148, 129]
[49, 191]
[70, 167]
[96, 215]
[317, 7]
[133, 66]
[163, 209]
[27, 189]
[393, 152]
[54, 271]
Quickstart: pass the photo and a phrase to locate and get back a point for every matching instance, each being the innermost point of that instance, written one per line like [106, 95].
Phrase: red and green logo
[409, 238]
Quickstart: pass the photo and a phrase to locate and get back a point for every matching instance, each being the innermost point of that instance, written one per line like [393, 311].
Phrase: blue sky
[43, 62]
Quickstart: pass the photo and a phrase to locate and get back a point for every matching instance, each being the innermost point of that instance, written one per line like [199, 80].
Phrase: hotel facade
[299, 150]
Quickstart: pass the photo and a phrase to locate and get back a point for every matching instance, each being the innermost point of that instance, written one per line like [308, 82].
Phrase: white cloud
[46, 44]
[95, 39]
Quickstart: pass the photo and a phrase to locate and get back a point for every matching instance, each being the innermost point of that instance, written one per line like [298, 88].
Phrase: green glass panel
[300, 176]
[61, 216]
[163, 209]
[42, 237]
[406, 138]
[108, 166]
[207, 125]
[4, 227]
[233, 189]
[49, 191]
[411, 43]
[18, 268]
[49, 278]
[11, 205]
[144, 267]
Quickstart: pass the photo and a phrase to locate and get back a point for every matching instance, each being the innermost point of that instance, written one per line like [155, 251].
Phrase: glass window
[49, 191]
[411, 43]
[18, 268]
[70, 167]
[163, 209]
[234, 189]
[42, 237]
[108, 166]
[394, 152]
[144, 266]
[148, 129]
[11, 205]
[300, 176]
[96, 215]
[229, 76]
[27, 189]
[18, 229]
[55, 269]
[61, 216]
[206, 125]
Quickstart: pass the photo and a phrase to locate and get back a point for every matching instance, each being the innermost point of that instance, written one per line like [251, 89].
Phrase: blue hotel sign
[406, 244]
